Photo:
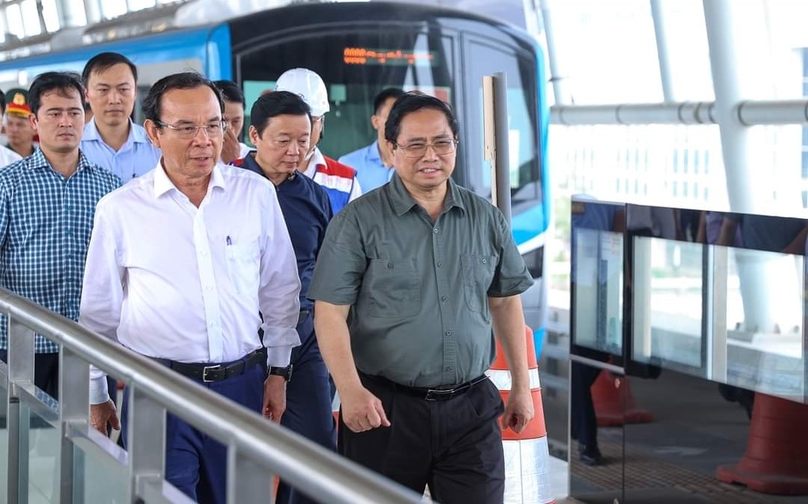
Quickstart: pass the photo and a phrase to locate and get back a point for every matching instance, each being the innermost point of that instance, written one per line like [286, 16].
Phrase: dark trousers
[453, 446]
[195, 463]
[46, 371]
[308, 402]
[584, 421]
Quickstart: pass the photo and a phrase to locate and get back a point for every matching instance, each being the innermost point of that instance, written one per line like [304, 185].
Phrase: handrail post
[20, 370]
[146, 440]
[74, 397]
[245, 478]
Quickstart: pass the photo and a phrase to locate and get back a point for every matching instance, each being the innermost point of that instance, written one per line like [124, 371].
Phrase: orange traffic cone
[527, 456]
[608, 394]
[775, 461]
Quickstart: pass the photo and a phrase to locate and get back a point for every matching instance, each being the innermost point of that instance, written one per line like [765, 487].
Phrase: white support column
[726, 39]
[723, 42]
[665, 74]
[70, 13]
[557, 77]
[92, 10]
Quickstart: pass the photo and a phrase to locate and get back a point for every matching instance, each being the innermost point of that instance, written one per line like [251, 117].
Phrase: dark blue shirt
[307, 211]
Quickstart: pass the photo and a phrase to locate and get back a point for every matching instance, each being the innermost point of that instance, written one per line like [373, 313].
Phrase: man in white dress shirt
[180, 263]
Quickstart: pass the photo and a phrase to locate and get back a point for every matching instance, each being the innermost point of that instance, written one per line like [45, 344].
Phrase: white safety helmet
[308, 85]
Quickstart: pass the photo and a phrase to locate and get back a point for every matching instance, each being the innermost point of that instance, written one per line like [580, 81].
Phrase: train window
[355, 66]
[483, 59]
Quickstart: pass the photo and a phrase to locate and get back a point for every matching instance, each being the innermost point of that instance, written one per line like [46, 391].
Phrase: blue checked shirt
[45, 226]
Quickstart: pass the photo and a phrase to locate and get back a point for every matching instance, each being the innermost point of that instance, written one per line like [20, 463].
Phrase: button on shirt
[136, 157]
[370, 170]
[419, 289]
[169, 280]
[45, 226]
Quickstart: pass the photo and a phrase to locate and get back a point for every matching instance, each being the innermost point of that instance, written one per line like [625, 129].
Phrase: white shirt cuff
[279, 356]
[98, 390]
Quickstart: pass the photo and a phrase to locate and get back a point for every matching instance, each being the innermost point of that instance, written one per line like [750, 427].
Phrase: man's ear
[152, 131]
[252, 132]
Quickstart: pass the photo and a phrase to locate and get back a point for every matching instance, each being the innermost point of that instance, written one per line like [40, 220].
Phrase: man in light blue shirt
[374, 163]
[111, 139]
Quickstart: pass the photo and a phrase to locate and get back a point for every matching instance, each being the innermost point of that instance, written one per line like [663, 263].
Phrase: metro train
[358, 49]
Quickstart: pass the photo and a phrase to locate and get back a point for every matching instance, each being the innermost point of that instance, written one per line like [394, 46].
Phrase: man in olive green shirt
[424, 268]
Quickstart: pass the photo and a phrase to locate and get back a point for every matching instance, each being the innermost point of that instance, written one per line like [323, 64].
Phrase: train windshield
[356, 65]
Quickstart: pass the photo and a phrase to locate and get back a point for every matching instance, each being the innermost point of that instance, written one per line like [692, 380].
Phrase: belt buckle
[205, 372]
[439, 395]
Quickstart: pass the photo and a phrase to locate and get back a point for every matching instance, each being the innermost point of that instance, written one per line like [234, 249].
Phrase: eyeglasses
[418, 149]
[189, 131]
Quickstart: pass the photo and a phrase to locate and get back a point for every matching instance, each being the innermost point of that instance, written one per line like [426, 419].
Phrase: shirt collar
[163, 184]
[250, 163]
[403, 202]
[317, 158]
[374, 154]
[38, 161]
[136, 135]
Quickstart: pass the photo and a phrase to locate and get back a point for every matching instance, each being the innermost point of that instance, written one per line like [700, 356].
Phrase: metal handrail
[323, 474]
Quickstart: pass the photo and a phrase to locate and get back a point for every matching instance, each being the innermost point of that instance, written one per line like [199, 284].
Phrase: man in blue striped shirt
[47, 204]
[111, 139]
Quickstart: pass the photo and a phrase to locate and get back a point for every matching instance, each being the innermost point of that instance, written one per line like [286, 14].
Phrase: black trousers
[454, 446]
[46, 371]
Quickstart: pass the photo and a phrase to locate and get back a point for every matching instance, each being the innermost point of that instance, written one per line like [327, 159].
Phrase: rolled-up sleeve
[511, 276]
[279, 287]
[341, 263]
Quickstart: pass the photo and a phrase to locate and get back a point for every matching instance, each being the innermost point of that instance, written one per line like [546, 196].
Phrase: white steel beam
[665, 74]
[748, 113]
[557, 77]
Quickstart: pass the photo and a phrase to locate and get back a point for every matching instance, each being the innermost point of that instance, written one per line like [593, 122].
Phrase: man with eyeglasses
[280, 129]
[425, 269]
[339, 181]
[180, 263]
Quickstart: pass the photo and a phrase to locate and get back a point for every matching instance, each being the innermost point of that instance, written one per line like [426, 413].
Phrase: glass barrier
[95, 479]
[597, 279]
[728, 307]
[42, 454]
[3, 431]
[668, 298]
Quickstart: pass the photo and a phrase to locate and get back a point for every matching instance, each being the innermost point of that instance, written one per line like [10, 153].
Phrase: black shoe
[591, 457]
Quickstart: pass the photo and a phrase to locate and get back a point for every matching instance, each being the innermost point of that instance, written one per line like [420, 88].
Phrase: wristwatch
[286, 372]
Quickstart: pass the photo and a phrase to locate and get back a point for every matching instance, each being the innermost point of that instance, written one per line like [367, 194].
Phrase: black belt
[209, 373]
[429, 394]
[302, 316]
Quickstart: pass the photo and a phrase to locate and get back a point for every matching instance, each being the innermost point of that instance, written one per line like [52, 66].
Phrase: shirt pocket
[392, 288]
[243, 266]
[478, 273]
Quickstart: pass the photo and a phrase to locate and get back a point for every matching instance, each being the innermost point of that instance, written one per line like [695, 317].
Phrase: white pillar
[730, 35]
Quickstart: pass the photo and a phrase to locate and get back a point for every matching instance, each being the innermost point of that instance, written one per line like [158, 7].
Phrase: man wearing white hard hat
[337, 179]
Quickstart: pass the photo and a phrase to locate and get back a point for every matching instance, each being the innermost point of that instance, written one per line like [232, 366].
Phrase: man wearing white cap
[337, 179]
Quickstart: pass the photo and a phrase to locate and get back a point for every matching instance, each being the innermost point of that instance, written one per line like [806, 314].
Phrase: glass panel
[43, 458]
[3, 433]
[668, 303]
[597, 276]
[764, 337]
[487, 59]
[752, 332]
[96, 479]
[355, 65]
[596, 454]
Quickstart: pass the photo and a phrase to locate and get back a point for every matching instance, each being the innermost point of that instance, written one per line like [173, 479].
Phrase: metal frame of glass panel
[258, 449]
